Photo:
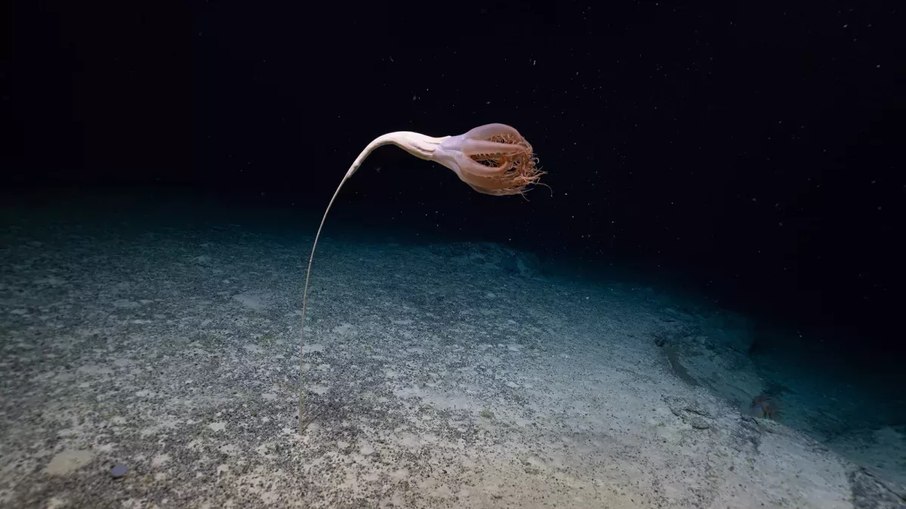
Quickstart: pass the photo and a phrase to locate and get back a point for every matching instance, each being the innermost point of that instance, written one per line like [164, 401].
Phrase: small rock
[696, 421]
[660, 340]
[118, 470]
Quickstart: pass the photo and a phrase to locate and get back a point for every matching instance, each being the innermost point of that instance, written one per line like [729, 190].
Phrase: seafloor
[147, 363]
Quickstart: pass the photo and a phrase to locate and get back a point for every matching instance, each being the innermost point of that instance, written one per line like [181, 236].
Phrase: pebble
[118, 470]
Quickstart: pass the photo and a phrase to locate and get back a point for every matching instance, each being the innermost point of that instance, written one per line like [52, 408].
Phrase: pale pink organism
[492, 159]
[764, 407]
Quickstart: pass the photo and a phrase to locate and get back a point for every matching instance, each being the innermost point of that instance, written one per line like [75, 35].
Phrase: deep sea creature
[763, 407]
[492, 159]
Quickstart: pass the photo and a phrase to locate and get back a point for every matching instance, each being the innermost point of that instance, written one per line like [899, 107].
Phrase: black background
[755, 149]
